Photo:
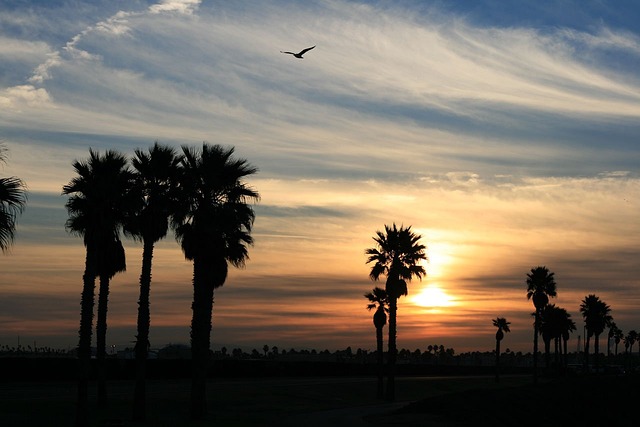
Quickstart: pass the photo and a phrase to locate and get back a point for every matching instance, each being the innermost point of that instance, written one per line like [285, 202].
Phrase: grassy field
[241, 402]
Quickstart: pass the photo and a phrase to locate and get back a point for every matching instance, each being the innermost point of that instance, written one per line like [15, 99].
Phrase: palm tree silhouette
[212, 222]
[397, 255]
[540, 286]
[596, 318]
[97, 195]
[378, 300]
[565, 327]
[618, 335]
[156, 180]
[13, 198]
[503, 326]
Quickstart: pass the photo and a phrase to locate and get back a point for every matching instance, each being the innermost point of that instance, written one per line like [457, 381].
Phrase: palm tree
[540, 286]
[618, 335]
[378, 300]
[565, 327]
[397, 256]
[156, 177]
[212, 222]
[13, 198]
[503, 326]
[596, 318]
[610, 336]
[95, 207]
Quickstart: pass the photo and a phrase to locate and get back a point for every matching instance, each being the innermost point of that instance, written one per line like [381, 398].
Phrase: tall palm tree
[540, 286]
[597, 317]
[212, 222]
[13, 198]
[397, 256]
[95, 207]
[503, 326]
[378, 300]
[156, 180]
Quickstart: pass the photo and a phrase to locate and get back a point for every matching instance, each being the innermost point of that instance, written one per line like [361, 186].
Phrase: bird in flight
[299, 54]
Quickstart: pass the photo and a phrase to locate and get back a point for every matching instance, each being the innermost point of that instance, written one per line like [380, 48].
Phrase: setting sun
[433, 297]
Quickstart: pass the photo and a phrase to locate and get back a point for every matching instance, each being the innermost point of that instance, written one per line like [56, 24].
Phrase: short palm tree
[97, 196]
[156, 180]
[13, 198]
[618, 335]
[212, 222]
[565, 328]
[597, 317]
[540, 286]
[378, 301]
[503, 326]
[397, 256]
[610, 337]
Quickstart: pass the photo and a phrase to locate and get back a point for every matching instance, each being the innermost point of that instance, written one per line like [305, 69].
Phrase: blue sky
[505, 133]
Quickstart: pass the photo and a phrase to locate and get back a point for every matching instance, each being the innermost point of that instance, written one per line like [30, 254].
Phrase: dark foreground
[584, 401]
[339, 400]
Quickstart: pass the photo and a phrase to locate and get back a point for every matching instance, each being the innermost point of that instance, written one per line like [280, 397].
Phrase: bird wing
[303, 51]
[291, 53]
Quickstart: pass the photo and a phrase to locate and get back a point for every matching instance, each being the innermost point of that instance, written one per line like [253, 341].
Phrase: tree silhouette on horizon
[503, 326]
[156, 181]
[396, 255]
[95, 207]
[212, 223]
[540, 286]
[378, 300]
[597, 317]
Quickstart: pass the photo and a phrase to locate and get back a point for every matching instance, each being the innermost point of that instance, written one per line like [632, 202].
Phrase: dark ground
[583, 401]
[34, 393]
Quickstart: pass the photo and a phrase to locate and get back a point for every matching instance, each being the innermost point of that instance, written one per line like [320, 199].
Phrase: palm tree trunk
[596, 350]
[142, 339]
[84, 343]
[101, 340]
[391, 387]
[497, 360]
[380, 346]
[200, 335]
[535, 347]
[586, 354]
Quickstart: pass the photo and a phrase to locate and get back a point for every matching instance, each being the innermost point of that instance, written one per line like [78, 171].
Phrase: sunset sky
[506, 133]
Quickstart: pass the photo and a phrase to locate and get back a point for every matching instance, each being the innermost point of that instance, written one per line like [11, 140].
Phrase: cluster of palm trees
[397, 256]
[13, 198]
[554, 323]
[202, 196]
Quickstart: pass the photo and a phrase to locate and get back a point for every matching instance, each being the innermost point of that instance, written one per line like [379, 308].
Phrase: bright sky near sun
[505, 133]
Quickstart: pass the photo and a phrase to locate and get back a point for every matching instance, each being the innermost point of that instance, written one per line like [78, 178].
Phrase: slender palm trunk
[380, 346]
[586, 354]
[142, 339]
[565, 358]
[84, 343]
[391, 386]
[596, 350]
[535, 347]
[200, 335]
[547, 351]
[497, 360]
[101, 339]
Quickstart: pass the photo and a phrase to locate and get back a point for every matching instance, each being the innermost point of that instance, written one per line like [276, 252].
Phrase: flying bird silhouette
[299, 54]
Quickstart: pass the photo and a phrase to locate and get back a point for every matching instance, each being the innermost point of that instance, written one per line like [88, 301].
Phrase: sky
[505, 133]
